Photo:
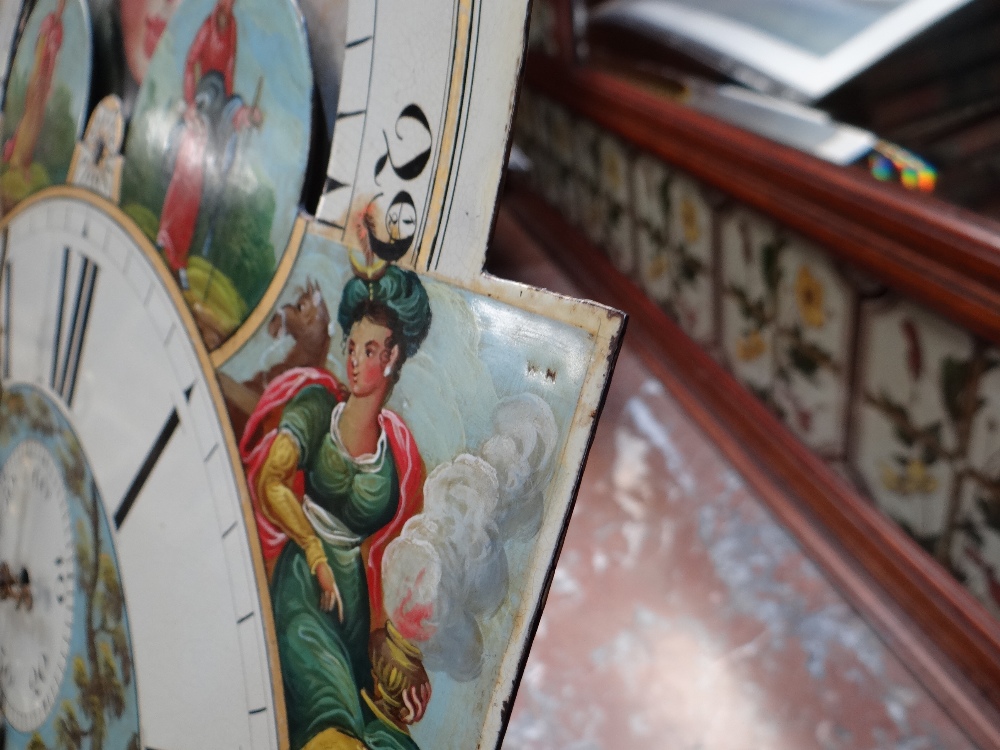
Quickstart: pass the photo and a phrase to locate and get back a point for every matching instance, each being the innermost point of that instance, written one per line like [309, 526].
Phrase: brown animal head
[306, 319]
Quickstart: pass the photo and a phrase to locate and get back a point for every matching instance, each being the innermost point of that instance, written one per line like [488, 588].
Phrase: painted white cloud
[448, 570]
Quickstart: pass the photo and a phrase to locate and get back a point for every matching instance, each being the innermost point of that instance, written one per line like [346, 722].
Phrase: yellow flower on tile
[750, 347]
[562, 137]
[689, 220]
[614, 172]
[914, 479]
[658, 266]
[809, 294]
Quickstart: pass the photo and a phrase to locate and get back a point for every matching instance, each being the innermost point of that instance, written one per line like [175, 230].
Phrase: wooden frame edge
[936, 628]
[941, 255]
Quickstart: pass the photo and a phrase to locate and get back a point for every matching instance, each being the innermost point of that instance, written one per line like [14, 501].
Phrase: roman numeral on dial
[76, 292]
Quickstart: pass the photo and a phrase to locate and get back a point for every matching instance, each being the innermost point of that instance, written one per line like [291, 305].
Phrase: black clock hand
[147, 467]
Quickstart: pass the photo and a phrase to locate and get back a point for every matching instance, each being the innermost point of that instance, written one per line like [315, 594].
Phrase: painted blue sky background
[271, 44]
[73, 64]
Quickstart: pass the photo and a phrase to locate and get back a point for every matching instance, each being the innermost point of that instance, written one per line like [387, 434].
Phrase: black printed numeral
[147, 468]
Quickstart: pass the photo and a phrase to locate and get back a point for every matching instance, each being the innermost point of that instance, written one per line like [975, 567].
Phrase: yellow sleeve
[279, 503]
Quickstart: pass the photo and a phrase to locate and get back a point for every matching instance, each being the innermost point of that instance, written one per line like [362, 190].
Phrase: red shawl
[409, 467]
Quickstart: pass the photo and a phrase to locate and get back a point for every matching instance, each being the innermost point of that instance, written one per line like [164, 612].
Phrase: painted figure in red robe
[19, 151]
[204, 148]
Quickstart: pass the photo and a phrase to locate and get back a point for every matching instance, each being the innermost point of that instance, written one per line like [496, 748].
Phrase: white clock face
[87, 318]
[36, 602]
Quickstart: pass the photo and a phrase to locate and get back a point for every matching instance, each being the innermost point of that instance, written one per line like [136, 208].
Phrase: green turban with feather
[399, 293]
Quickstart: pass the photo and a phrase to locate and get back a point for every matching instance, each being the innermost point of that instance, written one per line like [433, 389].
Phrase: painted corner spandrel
[217, 149]
[432, 436]
[46, 100]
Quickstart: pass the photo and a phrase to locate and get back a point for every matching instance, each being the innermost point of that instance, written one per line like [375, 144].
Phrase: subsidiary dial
[36, 584]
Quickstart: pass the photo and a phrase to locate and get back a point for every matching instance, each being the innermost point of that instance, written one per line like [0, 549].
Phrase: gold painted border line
[449, 138]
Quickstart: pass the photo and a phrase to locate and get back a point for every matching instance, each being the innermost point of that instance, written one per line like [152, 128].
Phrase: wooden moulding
[933, 252]
[936, 628]
[564, 29]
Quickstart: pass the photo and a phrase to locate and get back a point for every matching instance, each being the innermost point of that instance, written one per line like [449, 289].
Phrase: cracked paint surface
[683, 616]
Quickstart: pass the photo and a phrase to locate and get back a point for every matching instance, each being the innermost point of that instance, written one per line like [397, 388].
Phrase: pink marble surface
[683, 616]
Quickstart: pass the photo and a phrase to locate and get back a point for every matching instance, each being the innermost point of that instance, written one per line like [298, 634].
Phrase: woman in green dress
[333, 483]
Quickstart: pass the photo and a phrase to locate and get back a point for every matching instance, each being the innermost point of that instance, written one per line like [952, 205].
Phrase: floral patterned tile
[650, 191]
[975, 549]
[542, 27]
[591, 210]
[560, 141]
[529, 135]
[691, 233]
[545, 175]
[526, 119]
[615, 165]
[591, 213]
[815, 324]
[921, 434]
[587, 151]
[911, 413]
[750, 275]
[674, 241]
[536, 111]
[545, 164]
[655, 263]
[651, 211]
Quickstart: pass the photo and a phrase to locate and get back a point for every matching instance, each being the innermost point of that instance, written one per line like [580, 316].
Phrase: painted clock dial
[65, 649]
[89, 320]
[36, 583]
